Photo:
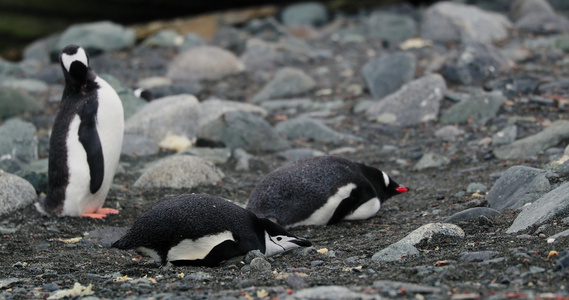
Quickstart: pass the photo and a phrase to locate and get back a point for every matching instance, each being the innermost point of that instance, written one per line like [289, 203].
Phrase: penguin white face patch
[80, 56]
[199, 248]
[279, 244]
[385, 178]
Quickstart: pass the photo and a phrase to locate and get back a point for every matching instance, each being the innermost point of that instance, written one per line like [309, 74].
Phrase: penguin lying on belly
[322, 190]
[85, 142]
[203, 230]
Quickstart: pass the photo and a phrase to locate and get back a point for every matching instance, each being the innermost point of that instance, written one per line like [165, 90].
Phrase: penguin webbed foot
[101, 213]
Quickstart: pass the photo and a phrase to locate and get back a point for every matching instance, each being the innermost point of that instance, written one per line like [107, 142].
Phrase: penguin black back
[327, 188]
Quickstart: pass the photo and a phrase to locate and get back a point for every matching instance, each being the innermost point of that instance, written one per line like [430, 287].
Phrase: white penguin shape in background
[85, 142]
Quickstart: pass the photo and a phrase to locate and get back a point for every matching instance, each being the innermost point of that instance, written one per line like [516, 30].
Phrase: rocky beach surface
[467, 104]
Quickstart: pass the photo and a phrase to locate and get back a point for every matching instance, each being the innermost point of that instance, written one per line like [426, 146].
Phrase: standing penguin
[322, 190]
[85, 143]
[203, 230]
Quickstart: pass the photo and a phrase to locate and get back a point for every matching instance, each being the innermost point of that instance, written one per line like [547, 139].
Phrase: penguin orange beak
[402, 189]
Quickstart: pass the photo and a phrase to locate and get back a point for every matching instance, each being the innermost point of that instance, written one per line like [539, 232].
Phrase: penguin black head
[278, 240]
[391, 188]
[75, 64]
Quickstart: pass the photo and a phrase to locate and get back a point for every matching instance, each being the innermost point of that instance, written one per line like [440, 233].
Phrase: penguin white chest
[198, 248]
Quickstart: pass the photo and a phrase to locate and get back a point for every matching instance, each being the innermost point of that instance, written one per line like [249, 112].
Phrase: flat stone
[479, 108]
[179, 115]
[386, 74]
[238, 129]
[517, 186]
[415, 102]
[204, 62]
[18, 145]
[431, 160]
[212, 109]
[287, 82]
[548, 206]
[14, 102]
[97, 36]
[471, 213]
[535, 144]
[455, 22]
[303, 127]
[16, 193]
[409, 288]
[179, 171]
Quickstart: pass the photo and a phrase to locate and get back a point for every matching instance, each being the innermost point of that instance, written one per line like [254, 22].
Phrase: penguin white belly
[78, 198]
[110, 127]
[198, 248]
[365, 211]
[322, 215]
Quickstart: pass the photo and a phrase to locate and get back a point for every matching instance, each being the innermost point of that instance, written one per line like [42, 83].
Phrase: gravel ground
[43, 257]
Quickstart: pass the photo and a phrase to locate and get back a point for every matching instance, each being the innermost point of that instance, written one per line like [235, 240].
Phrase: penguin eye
[279, 238]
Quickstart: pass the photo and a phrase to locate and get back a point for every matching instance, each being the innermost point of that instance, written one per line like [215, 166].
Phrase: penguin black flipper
[357, 197]
[89, 138]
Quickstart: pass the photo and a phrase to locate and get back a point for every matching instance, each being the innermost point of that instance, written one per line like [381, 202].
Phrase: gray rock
[471, 213]
[478, 256]
[138, 145]
[178, 115]
[448, 133]
[204, 62]
[416, 102]
[535, 144]
[479, 108]
[386, 74]
[455, 22]
[217, 156]
[505, 136]
[260, 264]
[537, 16]
[304, 127]
[476, 187]
[328, 292]
[240, 129]
[97, 36]
[474, 63]
[428, 230]
[16, 193]
[179, 171]
[431, 160]
[286, 82]
[29, 85]
[106, 236]
[259, 55]
[409, 288]
[391, 27]
[395, 252]
[39, 50]
[521, 8]
[242, 159]
[296, 154]
[14, 102]
[517, 186]
[306, 13]
[253, 254]
[164, 38]
[18, 145]
[177, 88]
[212, 109]
[405, 246]
[191, 40]
[548, 206]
